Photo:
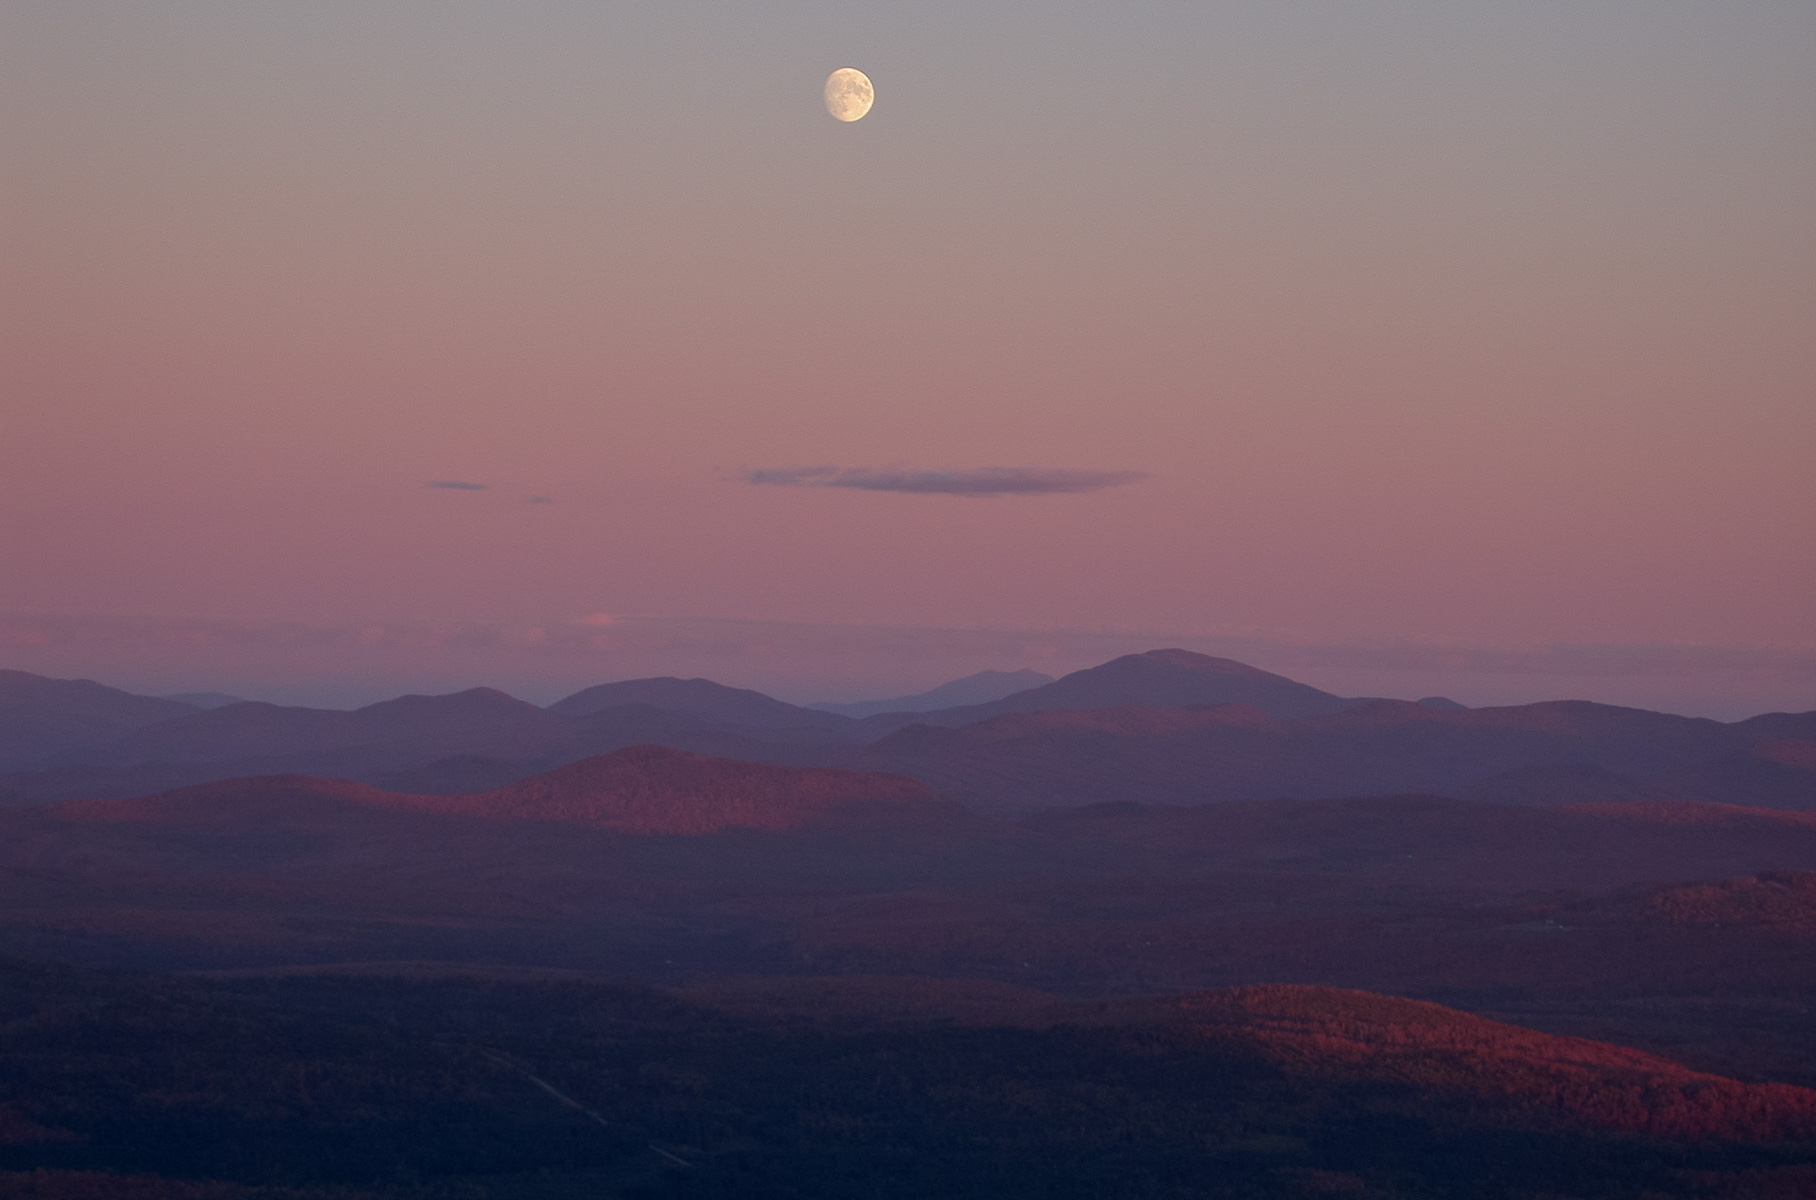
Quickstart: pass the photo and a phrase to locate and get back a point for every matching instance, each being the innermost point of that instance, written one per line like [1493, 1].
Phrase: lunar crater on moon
[849, 94]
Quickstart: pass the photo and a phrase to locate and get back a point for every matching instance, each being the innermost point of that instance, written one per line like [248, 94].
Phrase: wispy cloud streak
[975, 481]
[457, 485]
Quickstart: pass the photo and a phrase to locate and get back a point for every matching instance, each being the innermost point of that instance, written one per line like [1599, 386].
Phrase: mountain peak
[1176, 659]
[698, 697]
[1165, 678]
[478, 701]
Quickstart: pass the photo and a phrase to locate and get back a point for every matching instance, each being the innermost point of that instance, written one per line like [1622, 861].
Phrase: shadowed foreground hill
[1496, 1071]
[491, 1089]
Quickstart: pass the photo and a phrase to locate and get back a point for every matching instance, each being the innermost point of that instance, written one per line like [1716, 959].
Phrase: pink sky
[1474, 331]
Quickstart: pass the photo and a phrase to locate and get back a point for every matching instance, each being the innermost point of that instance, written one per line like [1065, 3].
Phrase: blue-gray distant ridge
[980, 688]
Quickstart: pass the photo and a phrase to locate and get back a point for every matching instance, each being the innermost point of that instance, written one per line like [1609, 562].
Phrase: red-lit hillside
[652, 789]
[644, 789]
[1436, 1052]
[1329, 1039]
[1776, 900]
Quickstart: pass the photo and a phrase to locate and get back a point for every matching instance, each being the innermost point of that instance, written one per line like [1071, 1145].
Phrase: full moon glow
[848, 93]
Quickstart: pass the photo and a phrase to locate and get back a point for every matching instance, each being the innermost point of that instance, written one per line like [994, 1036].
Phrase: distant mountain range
[1167, 726]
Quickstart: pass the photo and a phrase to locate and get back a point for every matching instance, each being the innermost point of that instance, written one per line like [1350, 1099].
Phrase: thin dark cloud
[458, 485]
[976, 481]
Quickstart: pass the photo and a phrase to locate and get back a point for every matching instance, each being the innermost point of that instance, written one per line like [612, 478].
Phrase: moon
[848, 93]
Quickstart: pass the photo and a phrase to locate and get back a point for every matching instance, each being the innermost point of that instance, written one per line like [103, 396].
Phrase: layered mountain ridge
[1167, 726]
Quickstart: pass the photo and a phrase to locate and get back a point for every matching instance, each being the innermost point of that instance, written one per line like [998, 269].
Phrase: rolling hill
[502, 1086]
[640, 790]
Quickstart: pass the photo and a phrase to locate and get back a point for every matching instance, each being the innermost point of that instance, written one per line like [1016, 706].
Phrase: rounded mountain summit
[1157, 678]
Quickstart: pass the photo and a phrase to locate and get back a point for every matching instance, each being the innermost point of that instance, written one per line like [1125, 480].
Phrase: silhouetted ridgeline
[1167, 727]
[980, 688]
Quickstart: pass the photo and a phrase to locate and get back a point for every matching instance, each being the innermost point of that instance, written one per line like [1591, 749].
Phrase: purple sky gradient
[1441, 325]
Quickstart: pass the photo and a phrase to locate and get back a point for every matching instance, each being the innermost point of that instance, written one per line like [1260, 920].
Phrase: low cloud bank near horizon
[972, 481]
[342, 663]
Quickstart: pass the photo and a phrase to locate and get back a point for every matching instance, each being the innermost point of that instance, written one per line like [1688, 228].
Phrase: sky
[1454, 334]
